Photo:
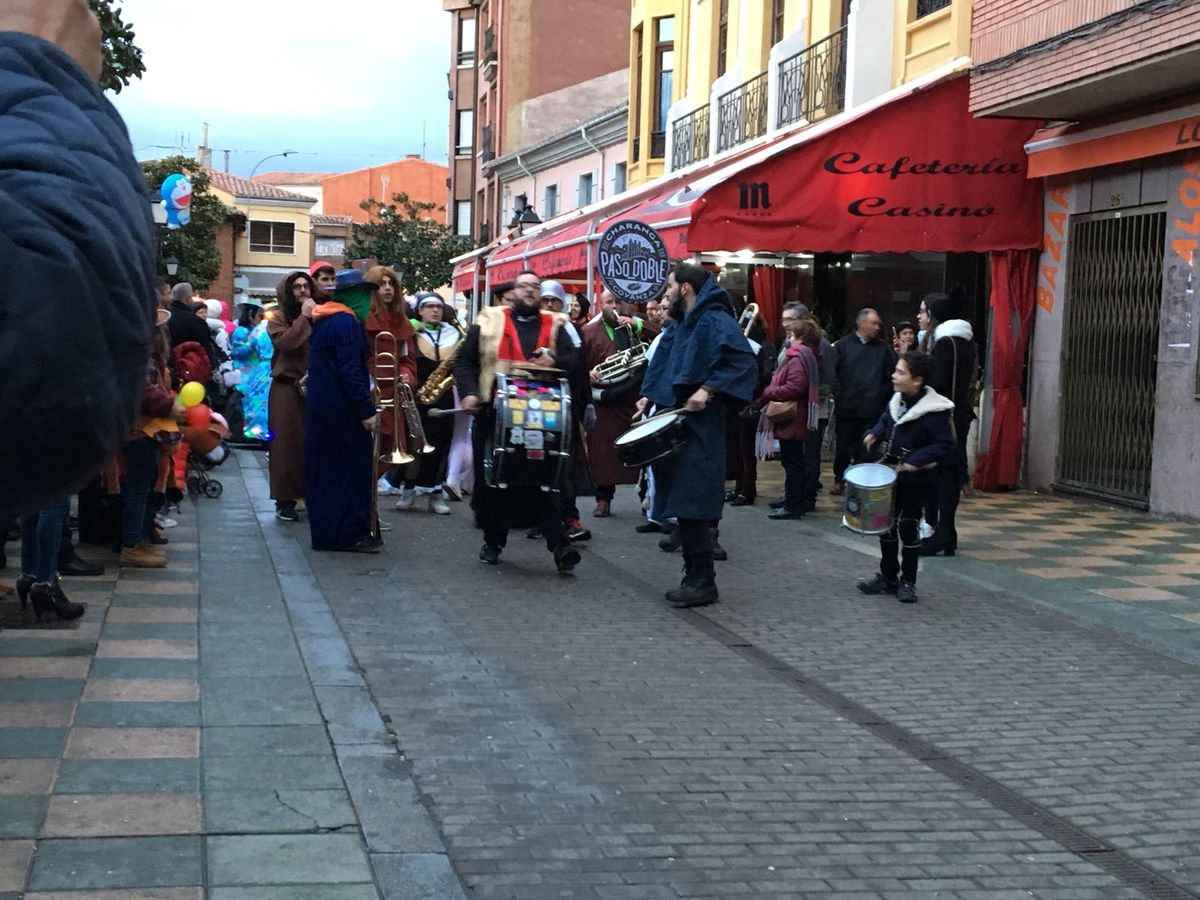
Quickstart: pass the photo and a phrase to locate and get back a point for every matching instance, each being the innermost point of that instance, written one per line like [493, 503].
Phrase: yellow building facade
[710, 76]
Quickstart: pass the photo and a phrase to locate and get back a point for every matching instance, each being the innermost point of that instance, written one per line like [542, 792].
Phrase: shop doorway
[1109, 358]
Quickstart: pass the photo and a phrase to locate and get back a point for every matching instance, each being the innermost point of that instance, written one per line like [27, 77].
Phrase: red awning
[915, 174]
[468, 269]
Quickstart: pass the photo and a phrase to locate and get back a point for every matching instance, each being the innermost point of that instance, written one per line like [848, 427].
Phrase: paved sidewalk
[194, 735]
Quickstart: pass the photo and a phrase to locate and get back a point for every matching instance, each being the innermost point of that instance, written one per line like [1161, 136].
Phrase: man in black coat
[185, 325]
[862, 385]
[76, 238]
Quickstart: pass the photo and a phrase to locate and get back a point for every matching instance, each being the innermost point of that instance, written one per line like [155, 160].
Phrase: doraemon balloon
[176, 194]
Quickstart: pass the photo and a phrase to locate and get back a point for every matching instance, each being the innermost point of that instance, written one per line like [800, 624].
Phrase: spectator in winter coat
[185, 325]
[76, 239]
[861, 387]
[915, 428]
[796, 381]
[950, 342]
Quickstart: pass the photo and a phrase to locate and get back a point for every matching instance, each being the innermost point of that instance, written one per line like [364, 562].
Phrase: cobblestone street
[274, 723]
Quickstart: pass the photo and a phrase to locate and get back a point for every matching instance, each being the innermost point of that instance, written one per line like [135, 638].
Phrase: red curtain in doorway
[1014, 284]
[768, 294]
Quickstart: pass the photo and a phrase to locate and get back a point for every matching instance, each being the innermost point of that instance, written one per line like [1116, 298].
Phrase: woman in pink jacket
[796, 380]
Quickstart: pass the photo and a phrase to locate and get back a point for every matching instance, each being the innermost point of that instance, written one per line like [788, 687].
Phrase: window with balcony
[550, 201]
[664, 72]
[812, 83]
[722, 37]
[636, 121]
[272, 237]
[586, 189]
[462, 218]
[464, 132]
[466, 41]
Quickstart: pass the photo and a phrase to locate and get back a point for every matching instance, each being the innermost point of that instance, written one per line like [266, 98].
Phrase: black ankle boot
[672, 541]
[49, 598]
[699, 585]
[944, 541]
[719, 553]
[24, 583]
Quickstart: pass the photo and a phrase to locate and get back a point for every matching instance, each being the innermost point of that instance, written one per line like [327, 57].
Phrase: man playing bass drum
[501, 338]
[702, 360]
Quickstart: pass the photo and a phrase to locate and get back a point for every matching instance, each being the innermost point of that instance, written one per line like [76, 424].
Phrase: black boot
[944, 540]
[672, 542]
[49, 598]
[566, 558]
[718, 552]
[24, 583]
[699, 585]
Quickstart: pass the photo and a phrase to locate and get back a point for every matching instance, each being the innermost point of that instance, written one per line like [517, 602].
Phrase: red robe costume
[614, 406]
[396, 322]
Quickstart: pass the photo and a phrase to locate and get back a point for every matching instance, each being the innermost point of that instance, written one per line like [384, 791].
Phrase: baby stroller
[207, 449]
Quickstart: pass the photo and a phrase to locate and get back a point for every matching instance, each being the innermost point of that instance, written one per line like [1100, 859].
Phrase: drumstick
[442, 413]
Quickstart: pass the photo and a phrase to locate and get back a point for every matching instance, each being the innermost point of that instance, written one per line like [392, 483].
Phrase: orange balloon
[199, 416]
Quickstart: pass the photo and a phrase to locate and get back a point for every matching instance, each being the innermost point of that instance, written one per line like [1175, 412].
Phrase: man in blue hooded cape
[701, 361]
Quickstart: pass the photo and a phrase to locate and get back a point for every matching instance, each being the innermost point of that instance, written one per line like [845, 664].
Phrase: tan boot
[142, 557]
[155, 550]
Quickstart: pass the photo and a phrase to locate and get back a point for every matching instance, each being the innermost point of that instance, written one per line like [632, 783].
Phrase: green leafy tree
[122, 57]
[195, 244]
[402, 234]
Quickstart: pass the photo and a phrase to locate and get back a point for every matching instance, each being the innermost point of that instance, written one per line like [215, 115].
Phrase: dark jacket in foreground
[919, 435]
[955, 361]
[707, 350]
[76, 276]
[862, 379]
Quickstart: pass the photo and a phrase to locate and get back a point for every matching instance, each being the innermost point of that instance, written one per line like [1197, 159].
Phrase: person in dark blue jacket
[76, 258]
[339, 418]
[917, 438]
[701, 360]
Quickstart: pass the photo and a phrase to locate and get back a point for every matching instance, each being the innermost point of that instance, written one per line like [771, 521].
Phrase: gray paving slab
[137, 714]
[116, 863]
[392, 816]
[21, 816]
[144, 668]
[279, 773]
[296, 892]
[416, 876]
[266, 741]
[117, 776]
[265, 700]
[259, 811]
[280, 859]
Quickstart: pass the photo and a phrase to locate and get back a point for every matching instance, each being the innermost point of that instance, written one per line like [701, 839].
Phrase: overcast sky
[349, 83]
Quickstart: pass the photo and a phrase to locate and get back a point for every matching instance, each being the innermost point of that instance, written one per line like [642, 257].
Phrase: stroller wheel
[193, 485]
[213, 488]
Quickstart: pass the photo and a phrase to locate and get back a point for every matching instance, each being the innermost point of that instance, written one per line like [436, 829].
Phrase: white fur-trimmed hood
[931, 401]
[954, 328]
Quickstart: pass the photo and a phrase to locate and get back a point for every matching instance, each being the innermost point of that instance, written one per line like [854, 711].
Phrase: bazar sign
[850, 163]
[632, 261]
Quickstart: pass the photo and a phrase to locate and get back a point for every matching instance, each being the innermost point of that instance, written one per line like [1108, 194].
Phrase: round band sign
[633, 261]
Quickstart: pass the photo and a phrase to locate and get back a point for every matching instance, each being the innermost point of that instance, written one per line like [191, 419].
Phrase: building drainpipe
[587, 140]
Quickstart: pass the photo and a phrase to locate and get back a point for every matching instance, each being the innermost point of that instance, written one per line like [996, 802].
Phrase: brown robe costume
[614, 406]
[285, 406]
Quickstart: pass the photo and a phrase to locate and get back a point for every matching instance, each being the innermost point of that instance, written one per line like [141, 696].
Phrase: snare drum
[869, 490]
[653, 439]
[531, 442]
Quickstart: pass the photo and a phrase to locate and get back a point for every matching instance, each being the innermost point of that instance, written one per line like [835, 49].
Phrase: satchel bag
[780, 411]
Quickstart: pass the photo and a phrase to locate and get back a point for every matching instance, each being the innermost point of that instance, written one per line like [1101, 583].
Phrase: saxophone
[440, 379]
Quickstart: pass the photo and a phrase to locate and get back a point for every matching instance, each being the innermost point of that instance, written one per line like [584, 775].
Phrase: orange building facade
[421, 180]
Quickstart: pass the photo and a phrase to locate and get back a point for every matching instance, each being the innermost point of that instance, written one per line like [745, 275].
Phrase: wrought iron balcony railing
[742, 113]
[927, 7]
[658, 144]
[812, 84]
[689, 138]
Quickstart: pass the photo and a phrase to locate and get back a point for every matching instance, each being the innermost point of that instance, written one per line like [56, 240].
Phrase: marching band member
[519, 333]
[389, 315]
[701, 360]
[611, 333]
[436, 343]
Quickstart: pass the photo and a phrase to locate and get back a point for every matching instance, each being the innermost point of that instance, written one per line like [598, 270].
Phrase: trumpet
[386, 372]
[749, 316]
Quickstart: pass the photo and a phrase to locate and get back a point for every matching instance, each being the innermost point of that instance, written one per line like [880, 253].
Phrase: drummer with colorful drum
[915, 435]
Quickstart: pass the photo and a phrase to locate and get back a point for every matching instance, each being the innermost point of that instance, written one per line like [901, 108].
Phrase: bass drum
[653, 439]
[530, 444]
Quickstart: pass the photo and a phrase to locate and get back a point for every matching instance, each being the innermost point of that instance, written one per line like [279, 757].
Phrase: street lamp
[285, 153]
[172, 265]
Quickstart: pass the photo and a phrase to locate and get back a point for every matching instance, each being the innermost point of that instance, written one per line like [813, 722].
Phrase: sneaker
[566, 559]
[649, 528]
[287, 511]
[533, 534]
[438, 505]
[576, 532]
[365, 545]
[878, 585]
[907, 592]
[384, 526]
[451, 493]
[385, 488]
[164, 521]
[603, 509]
[408, 496]
[490, 554]
[142, 556]
[778, 504]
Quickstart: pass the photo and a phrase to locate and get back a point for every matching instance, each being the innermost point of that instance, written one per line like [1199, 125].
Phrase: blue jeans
[791, 454]
[41, 534]
[141, 468]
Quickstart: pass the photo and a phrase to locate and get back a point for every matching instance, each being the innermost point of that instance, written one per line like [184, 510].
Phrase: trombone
[386, 373]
